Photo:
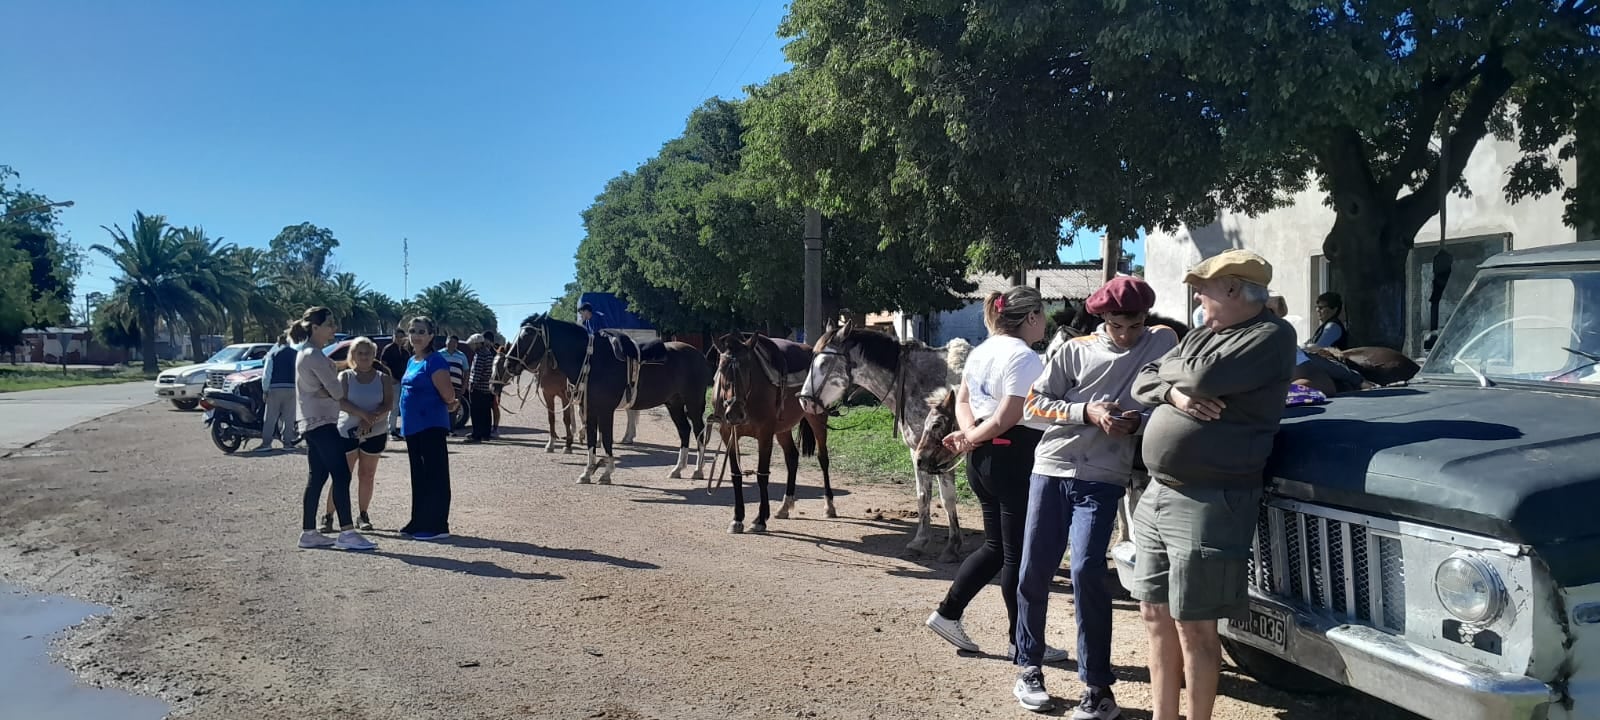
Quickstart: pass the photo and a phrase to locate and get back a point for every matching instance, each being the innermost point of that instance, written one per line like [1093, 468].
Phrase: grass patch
[43, 377]
[862, 441]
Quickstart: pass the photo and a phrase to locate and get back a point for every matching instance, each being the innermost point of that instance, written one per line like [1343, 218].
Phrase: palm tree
[211, 275]
[262, 302]
[454, 307]
[153, 264]
[358, 316]
[388, 311]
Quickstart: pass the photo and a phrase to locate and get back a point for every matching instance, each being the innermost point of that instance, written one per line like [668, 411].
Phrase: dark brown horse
[754, 395]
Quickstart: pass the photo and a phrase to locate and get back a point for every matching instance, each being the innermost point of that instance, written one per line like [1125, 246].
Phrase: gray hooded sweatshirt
[1089, 369]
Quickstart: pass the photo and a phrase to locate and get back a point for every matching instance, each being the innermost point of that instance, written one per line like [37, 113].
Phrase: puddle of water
[35, 688]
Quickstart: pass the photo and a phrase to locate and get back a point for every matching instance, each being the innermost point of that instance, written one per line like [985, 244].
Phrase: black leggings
[325, 455]
[998, 475]
[430, 481]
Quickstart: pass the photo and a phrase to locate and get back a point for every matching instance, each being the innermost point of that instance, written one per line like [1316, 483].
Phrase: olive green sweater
[1246, 366]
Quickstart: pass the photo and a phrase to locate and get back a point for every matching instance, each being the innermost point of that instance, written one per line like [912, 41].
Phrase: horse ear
[948, 402]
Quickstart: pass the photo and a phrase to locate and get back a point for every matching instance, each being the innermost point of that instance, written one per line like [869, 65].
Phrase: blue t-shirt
[421, 407]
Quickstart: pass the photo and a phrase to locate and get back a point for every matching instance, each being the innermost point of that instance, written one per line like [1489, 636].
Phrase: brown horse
[552, 388]
[754, 395]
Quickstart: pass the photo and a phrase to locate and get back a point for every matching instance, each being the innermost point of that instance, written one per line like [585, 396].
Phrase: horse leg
[589, 431]
[819, 426]
[680, 421]
[947, 493]
[550, 412]
[791, 462]
[567, 413]
[738, 481]
[633, 424]
[697, 423]
[610, 460]
[763, 473]
[919, 542]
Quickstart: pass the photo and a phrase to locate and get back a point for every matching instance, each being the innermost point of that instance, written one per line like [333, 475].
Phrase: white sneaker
[951, 631]
[1029, 690]
[352, 540]
[1052, 655]
[314, 539]
[1097, 704]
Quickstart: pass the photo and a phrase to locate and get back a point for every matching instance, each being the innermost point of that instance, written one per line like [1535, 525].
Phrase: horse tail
[808, 439]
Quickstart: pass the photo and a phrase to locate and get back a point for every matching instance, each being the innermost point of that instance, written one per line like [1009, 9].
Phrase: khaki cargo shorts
[1193, 548]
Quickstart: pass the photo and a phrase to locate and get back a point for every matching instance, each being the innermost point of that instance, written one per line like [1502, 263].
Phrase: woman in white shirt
[989, 407]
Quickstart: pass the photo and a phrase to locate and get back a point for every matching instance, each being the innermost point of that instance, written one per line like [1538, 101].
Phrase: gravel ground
[557, 601]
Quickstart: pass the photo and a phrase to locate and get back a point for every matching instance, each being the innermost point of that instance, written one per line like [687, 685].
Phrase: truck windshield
[231, 353]
[1540, 325]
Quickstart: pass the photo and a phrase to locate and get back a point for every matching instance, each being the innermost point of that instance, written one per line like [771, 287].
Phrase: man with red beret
[1081, 470]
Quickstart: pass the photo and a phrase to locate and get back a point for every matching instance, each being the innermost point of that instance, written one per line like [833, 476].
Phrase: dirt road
[557, 601]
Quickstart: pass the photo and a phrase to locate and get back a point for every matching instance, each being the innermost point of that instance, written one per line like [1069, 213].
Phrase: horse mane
[878, 348]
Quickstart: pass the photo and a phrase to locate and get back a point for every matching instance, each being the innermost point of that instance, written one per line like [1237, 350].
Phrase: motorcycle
[236, 416]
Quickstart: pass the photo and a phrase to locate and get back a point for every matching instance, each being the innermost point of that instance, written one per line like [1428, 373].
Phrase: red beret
[1123, 294]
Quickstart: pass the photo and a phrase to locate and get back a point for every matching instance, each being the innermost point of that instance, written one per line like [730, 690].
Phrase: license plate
[1264, 624]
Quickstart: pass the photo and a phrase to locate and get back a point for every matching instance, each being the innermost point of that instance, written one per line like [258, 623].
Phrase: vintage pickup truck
[1437, 545]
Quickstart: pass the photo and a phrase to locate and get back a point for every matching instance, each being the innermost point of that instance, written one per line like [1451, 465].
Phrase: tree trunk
[147, 340]
[195, 352]
[238, 328]
[1369, 269]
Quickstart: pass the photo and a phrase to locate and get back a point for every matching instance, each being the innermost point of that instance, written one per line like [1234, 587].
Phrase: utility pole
[813, 275]
[1110, 256]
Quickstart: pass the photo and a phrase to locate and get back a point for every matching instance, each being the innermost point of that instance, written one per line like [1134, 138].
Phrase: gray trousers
[280, 411]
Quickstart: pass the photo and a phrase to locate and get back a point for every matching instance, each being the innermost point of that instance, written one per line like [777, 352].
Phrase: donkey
[679, 383]
[909, 378]
[757, 380]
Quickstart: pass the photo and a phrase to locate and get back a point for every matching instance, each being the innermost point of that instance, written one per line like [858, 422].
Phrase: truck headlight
[1469, 588]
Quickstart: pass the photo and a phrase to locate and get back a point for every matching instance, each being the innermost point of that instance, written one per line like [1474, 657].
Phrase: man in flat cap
[1218, 398]
[1081, 470]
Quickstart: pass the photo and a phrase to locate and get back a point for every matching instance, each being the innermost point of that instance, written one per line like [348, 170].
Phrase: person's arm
[388, 396]
[964, 417]
[1243, 363]
[1047, 399]
[266, 370]
[1005, 417]
[1148, 387]
[322, 369]
[1328, 335]
[444, 386]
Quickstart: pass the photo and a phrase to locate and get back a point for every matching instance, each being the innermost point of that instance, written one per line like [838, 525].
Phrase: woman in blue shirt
[427, 397]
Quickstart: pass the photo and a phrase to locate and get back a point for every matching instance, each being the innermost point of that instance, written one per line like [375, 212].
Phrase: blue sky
[479, 131]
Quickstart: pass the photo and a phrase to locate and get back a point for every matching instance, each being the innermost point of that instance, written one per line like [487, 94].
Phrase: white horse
[908, 378]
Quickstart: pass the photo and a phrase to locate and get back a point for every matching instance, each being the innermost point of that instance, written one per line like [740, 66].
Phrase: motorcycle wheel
[226, 441]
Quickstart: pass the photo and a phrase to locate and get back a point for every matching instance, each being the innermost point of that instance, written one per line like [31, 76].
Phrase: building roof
[56, 331]
[1063, 283]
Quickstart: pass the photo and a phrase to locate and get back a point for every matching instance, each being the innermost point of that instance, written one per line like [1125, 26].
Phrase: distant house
[71, 346]
[1058, 285]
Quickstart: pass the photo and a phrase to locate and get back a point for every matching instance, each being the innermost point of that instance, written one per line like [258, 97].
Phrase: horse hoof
[736, 528]
[949, 556]
[605, 481]
[831, 512]
[916, 548]
[549, 449]
[758, 527]
[568, 451]
[675, 475]
[781, 514]
[583, 480]
[698, 475]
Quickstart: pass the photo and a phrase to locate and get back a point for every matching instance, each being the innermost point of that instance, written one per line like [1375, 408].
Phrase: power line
[752, 61]
[726, 55]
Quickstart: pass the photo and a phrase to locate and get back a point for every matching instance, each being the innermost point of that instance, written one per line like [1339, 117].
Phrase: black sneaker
[1097, 704]
[364, 523]
[327, 524]
[1029, 690]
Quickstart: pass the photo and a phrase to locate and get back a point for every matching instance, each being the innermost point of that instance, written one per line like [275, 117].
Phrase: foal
[749, 404]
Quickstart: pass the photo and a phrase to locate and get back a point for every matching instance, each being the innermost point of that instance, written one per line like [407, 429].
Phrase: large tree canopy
[694, 242]
[983, 125]
[39, 266]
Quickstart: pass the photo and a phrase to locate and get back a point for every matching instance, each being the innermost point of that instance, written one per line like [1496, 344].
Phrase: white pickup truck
[182, 385]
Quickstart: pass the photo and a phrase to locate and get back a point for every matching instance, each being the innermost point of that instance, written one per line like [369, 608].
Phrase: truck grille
[215, 378]
[1343, 568]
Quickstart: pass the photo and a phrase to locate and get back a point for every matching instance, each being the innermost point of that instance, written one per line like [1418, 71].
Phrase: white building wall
[1290, 238]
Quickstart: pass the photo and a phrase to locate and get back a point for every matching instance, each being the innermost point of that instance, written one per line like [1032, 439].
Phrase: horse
[909, 378]
[754, 395]
[552, 388]
[678, 382]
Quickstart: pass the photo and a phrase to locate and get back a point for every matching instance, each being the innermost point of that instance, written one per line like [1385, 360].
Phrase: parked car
[339, 352]
[1435, 545]
[182, 385]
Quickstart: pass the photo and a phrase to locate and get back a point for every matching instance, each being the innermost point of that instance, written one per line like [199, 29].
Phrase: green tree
[304, 248]
[212, 275]
[262, 303]
[454, 307]
[153, 282]
[387, 311]
[1357, 93]
[30, 227]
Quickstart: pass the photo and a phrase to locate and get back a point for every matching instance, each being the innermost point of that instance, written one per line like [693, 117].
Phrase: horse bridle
[897, 384]
[849, 377]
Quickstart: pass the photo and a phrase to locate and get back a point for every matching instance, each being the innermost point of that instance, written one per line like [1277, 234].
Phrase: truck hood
[186, 372]
[1511, 463]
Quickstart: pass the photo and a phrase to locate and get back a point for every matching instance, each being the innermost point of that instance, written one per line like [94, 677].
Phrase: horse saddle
[627, 349]
[788, 363]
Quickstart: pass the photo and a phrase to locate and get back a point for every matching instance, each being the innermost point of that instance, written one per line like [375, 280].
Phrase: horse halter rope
[897, 383]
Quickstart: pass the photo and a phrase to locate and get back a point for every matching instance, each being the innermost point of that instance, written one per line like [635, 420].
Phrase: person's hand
[453, 404]
[957, 442]
[1110, 419]
[364, 428]
[1199, 408]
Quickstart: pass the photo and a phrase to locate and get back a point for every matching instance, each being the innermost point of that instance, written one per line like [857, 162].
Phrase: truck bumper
[175, 391]
[1389, 668]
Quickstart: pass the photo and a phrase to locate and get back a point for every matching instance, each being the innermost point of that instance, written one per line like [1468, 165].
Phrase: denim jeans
[1080, 513]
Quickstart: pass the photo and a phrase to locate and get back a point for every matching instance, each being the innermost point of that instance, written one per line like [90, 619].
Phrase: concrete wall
[1290, 238]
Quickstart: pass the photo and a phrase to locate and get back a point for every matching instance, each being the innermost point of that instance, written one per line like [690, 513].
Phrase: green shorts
[1193, 550]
